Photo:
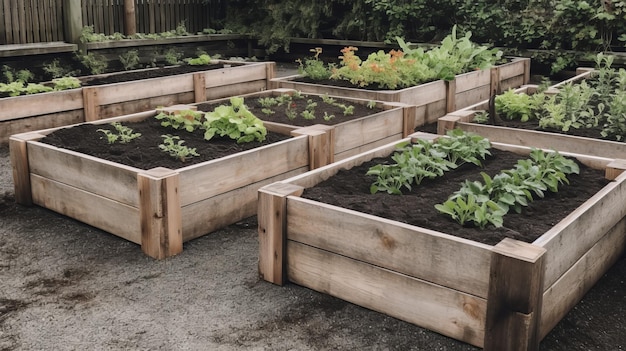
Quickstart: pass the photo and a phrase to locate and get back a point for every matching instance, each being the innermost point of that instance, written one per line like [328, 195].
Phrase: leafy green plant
[12, 89]
[487, 202]
[124, 134]
[11, 75]
[56, 70]
[314, 68]
[427, 160]
[201, 60]
[512, 105]
[188, 120]
[172, 56]
[95, 63]
[175, 148]
[35, 88]
[65, 83]
[129, 59]
[234, 121]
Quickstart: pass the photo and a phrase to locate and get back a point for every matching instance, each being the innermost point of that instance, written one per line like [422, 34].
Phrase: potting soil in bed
[351, 189]
[144, 152]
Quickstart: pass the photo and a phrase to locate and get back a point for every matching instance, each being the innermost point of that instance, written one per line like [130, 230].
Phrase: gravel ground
[67, 286]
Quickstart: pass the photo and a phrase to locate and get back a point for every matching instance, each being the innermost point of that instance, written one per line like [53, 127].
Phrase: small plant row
[19, 83]
[309, 112]
[598, 102]
[234, 121]
[404, 68]
[88, 35]
[428, 160]
[487, 202]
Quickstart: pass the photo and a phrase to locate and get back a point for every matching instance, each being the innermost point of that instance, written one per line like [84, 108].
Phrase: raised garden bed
[431, 100]
[158, 208]
[344, 136]
[54, 109]
[501, 297]
[525, 134]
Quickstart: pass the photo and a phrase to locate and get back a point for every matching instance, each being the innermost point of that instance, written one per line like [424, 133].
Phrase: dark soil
[534, 125]
[144, 152]
[119, 77]
[299, 105]
[350, 189]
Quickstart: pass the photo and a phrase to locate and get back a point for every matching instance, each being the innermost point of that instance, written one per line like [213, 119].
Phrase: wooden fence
[32, 21]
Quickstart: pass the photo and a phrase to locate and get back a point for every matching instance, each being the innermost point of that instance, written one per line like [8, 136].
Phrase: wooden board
[218, 176]
[443, 310]
[403, 248]
[40, 104]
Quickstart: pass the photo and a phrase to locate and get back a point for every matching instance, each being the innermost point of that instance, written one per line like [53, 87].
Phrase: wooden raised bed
[54, 109]
[435, 99]
[463, 118]
[159, 208]
[502, 297]
[352, 137]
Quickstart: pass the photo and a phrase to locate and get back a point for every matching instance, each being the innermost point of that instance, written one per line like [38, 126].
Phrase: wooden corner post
[18, 154]
[272, 219]
[515, 296]
[321, 144]
[160, 213]
[199, 87]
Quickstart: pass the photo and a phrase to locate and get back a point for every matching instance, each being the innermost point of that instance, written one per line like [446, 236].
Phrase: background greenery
[563, 28]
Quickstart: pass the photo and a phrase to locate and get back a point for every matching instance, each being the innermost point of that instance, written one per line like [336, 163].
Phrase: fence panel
[154, 16]
[30, 21]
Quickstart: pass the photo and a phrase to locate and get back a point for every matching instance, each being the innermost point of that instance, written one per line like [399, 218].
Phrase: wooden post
[321, 144]
[450, 96]
[272, 219]
[160, 213]
[199, 87]
[91, 106]
[614, 169]
[495, 88]
[72, 21]
[19, 163]
[130, 24]
[515, 296]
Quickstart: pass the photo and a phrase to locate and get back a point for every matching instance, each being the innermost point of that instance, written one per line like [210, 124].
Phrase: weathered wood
[160, 213]
[417, 252]
[615, 169]
[100, 212]
[446, 311]
[199, 87]
[91, 103]
[19, 163]
[226, 208]
[130, 25]
[565, 237]
[565, 293]
[221, 175]
[320, 144]
[40, 104]
[73, 20]
[515, 296]
[272, 209]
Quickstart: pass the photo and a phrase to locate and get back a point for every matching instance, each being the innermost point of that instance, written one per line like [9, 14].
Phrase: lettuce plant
[234, 121]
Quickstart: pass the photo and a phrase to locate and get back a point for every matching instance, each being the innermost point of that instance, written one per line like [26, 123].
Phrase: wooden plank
[213, 213]
[88, 208]
[235, 74]
[22, 21]
[235, 89]
[160, 213]
[564, 241]
[62, 165]
[37, 18]
[615, 169]
[546, 140]
[417, 252]
[469, 97]
[214, 177]
[8, 128]
[443, 310]
[143, 89]
[472, 80]
[366, 147]
[44, 103]
[272, 218]
[566, 292]
[128, 107]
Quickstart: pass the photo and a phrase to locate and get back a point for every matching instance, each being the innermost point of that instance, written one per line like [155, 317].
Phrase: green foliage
[427, 160]
[95, 63]
[11, 75]
[188, 120]
[234, 121]
[129, 59]
[56, 70]
[314, 68]
[486, 202]
[175, 148]
[512, 105]
[123, 134]
[172, 56]
[201, 60]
